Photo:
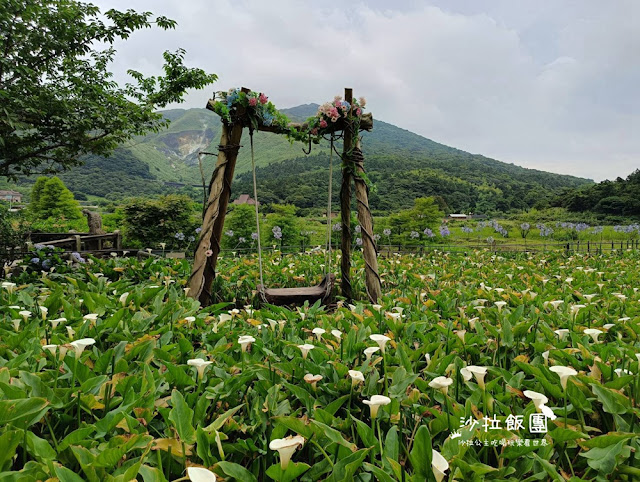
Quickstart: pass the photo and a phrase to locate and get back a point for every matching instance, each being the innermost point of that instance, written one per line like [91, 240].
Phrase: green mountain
[402, 165]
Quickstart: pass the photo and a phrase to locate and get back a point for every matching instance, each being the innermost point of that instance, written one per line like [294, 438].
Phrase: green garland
[257, 108]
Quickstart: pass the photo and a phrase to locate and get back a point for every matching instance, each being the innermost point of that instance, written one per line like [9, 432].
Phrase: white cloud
[552, 87]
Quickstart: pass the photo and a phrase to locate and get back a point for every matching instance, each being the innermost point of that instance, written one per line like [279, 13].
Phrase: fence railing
[592, 247]
[80, 242]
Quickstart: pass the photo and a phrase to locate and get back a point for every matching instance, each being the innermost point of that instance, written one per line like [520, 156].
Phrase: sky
[544, 84]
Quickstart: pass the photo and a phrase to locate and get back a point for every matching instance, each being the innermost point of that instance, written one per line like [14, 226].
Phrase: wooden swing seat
[298, 296]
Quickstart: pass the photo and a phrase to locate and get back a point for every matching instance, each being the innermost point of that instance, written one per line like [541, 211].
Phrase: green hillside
[403, 165]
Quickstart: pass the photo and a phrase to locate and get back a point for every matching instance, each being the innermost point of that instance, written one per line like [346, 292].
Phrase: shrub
[167, 219]
[50, 198]
[11, 234]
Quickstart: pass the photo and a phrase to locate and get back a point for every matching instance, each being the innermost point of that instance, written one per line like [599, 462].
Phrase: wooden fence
[80, 242]
[589, 247]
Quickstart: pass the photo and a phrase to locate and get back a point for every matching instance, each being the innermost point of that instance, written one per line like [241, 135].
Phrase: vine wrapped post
[204, 267]
[373, 284]
[345, 210]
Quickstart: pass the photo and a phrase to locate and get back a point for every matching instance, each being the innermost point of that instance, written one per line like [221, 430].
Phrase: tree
[58, 98]
[36, 194]
[167, 219]
[239, 226]
[411, 223]
[282, 228]
[53, 199]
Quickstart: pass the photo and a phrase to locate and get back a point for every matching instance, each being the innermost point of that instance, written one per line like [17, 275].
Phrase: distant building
[245, 199]
[11, 196]
[458, 216]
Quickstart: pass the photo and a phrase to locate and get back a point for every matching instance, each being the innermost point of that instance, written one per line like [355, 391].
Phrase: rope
[358, 162]
[327, 260]
[255, 197]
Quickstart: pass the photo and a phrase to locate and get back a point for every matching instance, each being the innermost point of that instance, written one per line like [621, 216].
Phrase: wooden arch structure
[208, 248]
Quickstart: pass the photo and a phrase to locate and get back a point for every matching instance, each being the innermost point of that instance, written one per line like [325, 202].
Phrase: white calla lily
[80, 345]
[318, 332]
[381, 340]
[539, 401]
[245, 342]
[375, 403]
[370, 351]
[594, 333]
[439, 465]
[564, 373]
[305, 349]
[200, 474]
[200, 365]
[441, 383]
[356, 377]
[286, 447]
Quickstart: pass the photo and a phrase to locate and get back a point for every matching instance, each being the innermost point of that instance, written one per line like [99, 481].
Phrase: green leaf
[548, 468]
[236, 471]
[40, 448]
[560, 435]
[608, 439]
[296, 425]
[612, 402]
[66, 475]
[365, 432]
[380, 474]
[333, 435]
[219, 422]
[347, 466]
[294, 470]
[9, 441]
[603, 459]
[182, 416]
[391, 444]
[151, 474]
[421, 453]
[75, 437]
[19, 410]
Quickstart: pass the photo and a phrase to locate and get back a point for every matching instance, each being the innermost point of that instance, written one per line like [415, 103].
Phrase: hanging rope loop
[255, 197]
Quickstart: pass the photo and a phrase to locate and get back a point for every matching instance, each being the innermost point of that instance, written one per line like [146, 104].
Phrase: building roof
[457, 215]
[13, 193]
[245, 199]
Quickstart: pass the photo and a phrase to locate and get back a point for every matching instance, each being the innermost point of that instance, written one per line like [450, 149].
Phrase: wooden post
[345, 210]
[118, 240]
[369, 251]
[204, 267]
[78, 242]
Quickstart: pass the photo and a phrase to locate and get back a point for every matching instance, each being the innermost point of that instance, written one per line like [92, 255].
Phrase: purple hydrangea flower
[444, 231]
[414, 234]
[429, 233]
[387, 232]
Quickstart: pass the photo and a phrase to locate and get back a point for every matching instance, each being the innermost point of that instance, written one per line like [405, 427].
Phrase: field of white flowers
[471, 368]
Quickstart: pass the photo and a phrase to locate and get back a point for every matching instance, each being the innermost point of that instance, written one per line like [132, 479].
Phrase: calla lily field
[471, 367]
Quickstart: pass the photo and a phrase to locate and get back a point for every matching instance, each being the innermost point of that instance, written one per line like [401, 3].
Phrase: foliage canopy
[58, 96]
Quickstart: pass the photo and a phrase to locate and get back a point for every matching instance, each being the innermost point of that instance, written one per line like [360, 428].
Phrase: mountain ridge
[416, 165]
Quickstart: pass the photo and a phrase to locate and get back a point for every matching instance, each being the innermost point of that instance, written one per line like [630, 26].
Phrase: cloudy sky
[546, 84]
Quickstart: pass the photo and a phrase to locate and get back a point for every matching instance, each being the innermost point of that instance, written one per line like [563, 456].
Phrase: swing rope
[255, 198]
[327, 261]
[327, 264]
